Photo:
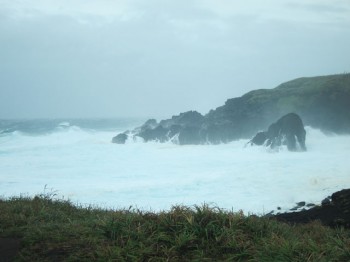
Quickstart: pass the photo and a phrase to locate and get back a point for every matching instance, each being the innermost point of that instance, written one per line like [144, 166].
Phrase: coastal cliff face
[321, 102]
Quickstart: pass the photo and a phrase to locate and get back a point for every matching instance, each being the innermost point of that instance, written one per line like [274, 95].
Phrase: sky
[157, 58]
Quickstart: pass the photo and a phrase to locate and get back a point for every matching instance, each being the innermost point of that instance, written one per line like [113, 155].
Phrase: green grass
[57, 230]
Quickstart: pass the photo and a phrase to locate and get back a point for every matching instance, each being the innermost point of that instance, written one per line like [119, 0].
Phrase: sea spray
[82, 164]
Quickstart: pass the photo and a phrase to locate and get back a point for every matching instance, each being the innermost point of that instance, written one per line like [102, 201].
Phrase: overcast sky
[157, 58]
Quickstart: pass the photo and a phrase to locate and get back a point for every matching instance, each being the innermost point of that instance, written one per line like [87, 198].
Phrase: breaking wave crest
[82, 164]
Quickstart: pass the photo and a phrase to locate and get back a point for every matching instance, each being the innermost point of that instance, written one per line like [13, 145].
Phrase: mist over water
[80, 163]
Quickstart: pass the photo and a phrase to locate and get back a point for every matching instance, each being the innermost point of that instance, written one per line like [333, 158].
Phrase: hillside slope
[322, 102]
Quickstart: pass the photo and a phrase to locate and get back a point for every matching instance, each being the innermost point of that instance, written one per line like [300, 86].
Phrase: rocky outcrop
[322, 102]
[182, 129]
[288, 130]
[334, 213]
[120, 138]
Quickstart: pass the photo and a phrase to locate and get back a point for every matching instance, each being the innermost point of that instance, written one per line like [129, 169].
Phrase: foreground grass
[56, 230]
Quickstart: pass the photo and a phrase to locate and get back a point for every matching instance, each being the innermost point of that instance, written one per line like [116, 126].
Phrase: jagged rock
[174, 130]
[288, 130]
[298, 206]
[120, 138]
[259, 139]
[149, 124]
[158, 133]
[301, 204]
[326, 201]
[341, 199]
[186, 127]
[335, 213]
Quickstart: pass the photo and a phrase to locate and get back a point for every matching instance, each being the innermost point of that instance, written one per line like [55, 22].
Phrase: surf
[83, 165]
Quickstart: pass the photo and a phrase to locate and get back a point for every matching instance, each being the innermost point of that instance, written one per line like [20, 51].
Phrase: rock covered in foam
[182, 129]
[120, 138]
[288, 130]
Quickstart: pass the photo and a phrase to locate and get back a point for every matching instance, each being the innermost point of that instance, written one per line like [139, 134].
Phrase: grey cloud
[165, 59]
[322, 8]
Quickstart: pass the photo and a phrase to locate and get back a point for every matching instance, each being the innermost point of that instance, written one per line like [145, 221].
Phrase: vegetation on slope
[56, 230]
[322, 102]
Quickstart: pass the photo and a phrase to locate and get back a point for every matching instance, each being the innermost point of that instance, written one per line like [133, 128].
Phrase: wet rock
[190, 135]
[341, 200]
[120, 139]
[334, 213]
[301, 204]
[187, 127]
[288, 130]
[149, 124]
[158, 133]
[326, 201]
[259, 139]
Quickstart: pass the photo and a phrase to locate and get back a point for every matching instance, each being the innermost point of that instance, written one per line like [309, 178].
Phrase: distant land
[323, 102]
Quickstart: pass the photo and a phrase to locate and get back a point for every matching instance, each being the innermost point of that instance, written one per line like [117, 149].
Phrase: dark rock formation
[190, 135]
[259, 139]
[183, 129]
[288, 130]
[322, 102]
[334, 213]
[159, 133]
[150, 124]
[120, 138]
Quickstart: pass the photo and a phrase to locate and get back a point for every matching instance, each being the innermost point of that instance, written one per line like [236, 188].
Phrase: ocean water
[76, 160]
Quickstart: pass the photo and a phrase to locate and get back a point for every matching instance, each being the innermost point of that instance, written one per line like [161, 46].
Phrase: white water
[87, 168]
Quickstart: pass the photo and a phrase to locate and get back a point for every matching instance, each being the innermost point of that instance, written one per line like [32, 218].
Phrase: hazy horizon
[110, 59]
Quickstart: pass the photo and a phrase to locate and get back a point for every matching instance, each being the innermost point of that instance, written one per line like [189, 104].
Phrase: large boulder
[259, 139]
[120, 138]
[288, 130]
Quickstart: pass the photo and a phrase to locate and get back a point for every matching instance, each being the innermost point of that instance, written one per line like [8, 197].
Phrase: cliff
[322, 102]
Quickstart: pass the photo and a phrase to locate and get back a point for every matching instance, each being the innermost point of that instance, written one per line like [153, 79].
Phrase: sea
[74, 159]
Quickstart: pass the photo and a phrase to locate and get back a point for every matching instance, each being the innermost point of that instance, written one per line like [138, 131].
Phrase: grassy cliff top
[43, 229]
[304, 85]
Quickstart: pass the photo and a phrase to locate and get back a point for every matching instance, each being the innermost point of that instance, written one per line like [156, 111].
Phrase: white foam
[87, 168]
